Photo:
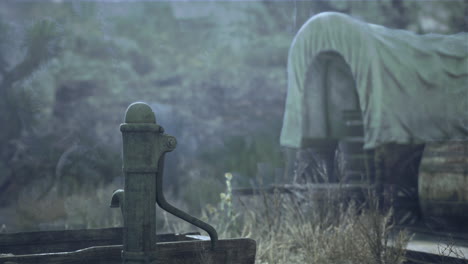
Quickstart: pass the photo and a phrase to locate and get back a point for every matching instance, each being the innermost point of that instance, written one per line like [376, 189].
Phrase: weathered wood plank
[228, 251]
[318, 190]
[58, 241]
[417, 257]
[70, 240]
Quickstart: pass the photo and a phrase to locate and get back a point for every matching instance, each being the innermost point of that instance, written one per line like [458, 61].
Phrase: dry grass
[448, 248]
[80, 210]
[289, 228]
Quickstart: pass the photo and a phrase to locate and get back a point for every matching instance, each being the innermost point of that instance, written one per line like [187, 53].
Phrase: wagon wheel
[405, 190]
[315, 165]
[307, 168]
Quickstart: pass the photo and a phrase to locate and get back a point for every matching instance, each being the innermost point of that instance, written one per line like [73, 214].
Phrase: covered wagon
[380, 100]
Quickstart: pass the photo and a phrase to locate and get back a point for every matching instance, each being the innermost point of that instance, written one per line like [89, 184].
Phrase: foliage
[69, 69]
[224, 215]
[296, 228]
[17, 105]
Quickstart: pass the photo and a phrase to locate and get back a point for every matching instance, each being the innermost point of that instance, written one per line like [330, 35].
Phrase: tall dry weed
[294, 228]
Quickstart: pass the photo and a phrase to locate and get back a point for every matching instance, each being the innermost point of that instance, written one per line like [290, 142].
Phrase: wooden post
[143, 145]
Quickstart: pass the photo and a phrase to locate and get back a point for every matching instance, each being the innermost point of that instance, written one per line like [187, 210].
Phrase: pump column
[143, 145]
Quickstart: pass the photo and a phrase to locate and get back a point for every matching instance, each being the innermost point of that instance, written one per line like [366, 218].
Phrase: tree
[40, 45]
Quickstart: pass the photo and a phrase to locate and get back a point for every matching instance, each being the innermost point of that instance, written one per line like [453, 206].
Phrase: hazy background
[214, 73]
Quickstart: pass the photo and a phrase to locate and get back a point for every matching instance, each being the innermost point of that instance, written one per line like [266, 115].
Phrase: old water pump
[144, 147]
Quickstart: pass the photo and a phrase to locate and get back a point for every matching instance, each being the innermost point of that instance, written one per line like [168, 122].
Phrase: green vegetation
[215, 72]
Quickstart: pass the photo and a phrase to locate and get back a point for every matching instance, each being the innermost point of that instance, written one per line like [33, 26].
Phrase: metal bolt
[171, 142]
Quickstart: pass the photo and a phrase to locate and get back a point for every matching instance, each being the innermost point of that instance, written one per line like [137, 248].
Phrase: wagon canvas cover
[410, 88]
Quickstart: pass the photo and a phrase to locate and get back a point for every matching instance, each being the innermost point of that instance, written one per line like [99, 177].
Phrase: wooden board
[70, 240]
[418, 257]
[228, 251]
[427, 246]
[317, 191]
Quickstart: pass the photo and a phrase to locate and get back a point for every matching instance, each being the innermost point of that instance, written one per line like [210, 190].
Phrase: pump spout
[118, 200]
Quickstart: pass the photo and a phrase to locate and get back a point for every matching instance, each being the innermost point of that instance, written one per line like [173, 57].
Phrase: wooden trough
[144, 146]
[104, 246]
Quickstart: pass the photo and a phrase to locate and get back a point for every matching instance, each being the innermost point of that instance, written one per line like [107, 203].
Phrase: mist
[214, 73]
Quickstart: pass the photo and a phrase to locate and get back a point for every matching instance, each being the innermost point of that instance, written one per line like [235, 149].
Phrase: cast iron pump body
[144, 147]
